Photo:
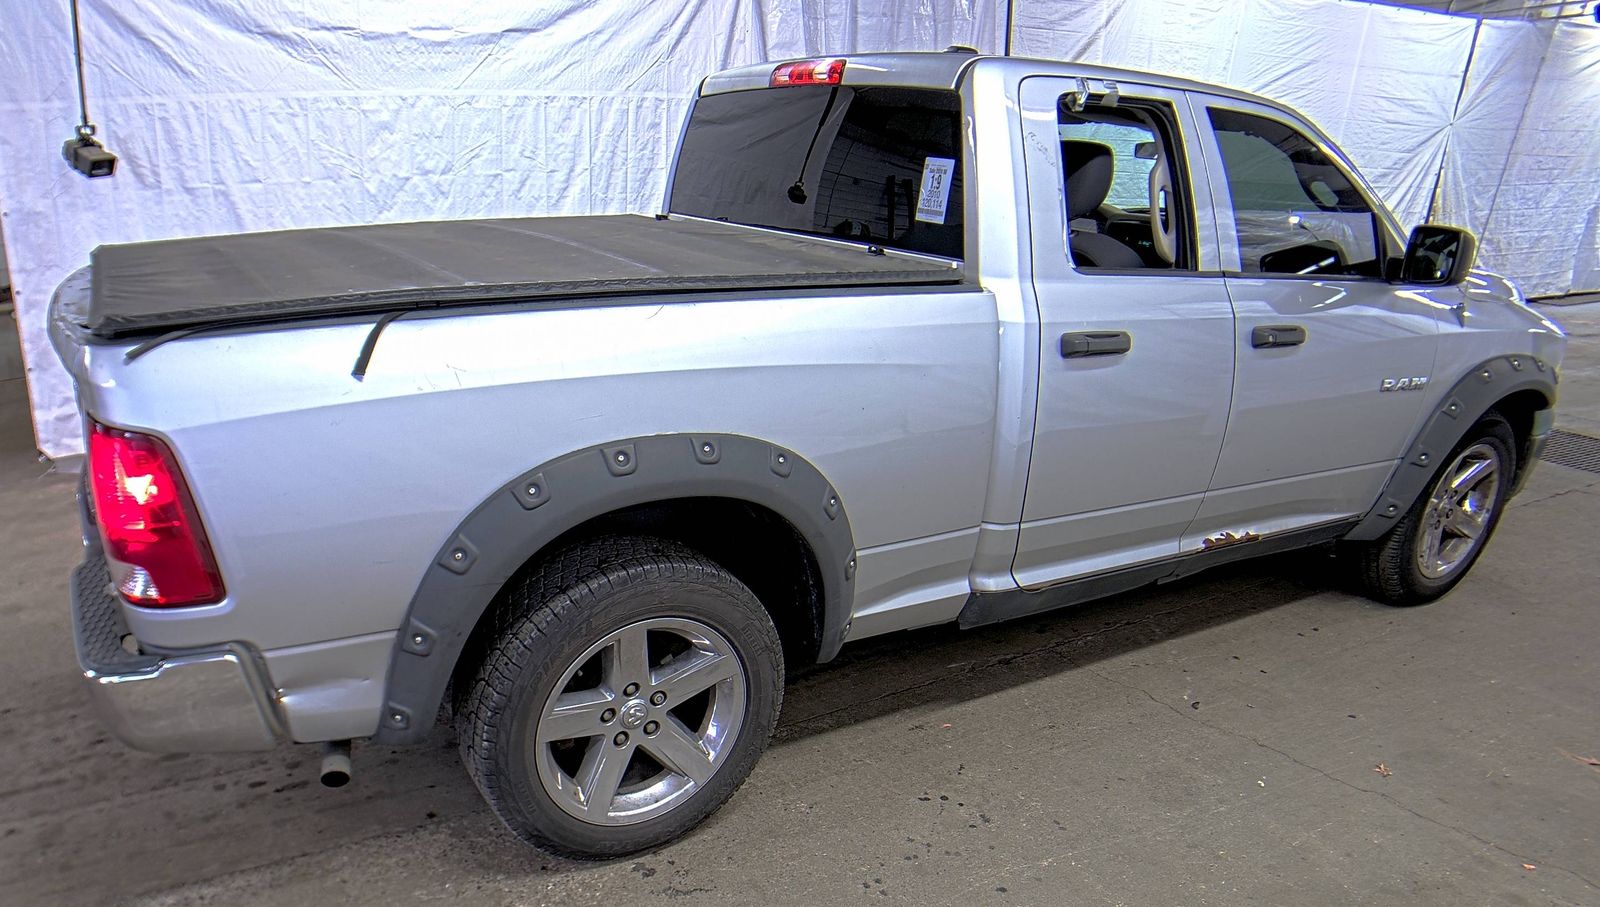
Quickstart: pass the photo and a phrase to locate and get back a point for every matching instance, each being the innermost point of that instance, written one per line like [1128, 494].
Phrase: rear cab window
[878, 165]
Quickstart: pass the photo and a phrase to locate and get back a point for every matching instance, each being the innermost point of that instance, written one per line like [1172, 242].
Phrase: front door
[1332, 361]
[1136, 364]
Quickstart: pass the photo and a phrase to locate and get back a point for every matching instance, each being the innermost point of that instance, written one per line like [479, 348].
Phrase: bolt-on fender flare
[526, 514]
[1475, 394]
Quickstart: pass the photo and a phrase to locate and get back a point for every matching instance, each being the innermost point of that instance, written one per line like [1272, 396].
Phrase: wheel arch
[1520, 386]
[647, 485]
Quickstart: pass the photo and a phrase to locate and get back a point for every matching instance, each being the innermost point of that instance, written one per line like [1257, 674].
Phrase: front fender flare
[1474, 395]
[526, 514]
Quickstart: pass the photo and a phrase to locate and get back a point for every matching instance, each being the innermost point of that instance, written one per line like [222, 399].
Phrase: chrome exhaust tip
[335, 763]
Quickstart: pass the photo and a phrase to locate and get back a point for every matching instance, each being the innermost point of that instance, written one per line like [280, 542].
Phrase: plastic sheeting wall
[1380, 79]
[1523, 167]
[231, 116]
[1509, 144]
[235, 115]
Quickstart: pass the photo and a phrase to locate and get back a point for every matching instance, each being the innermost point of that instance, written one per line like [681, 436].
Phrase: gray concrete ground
[1250, 737]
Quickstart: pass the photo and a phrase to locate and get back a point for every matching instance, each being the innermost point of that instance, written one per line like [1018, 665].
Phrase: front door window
[1294, 210]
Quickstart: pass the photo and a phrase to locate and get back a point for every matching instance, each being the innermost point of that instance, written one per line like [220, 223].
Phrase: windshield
[877, 165]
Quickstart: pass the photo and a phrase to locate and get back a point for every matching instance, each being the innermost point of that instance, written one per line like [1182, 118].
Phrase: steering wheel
[1163, 231]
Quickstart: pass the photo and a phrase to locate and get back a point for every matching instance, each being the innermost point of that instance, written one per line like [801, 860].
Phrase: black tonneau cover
[256, 277]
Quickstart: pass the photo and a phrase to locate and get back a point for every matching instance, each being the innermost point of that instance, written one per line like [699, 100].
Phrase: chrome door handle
[1095, 343]
[1270, 335]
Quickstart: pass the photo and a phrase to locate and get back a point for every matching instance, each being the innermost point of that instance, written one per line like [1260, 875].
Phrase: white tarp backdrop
[1506, 109]
[233, 115]
[1524, 164]
[1380, 79]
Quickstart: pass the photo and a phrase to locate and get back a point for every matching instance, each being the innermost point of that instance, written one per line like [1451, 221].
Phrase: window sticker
[934, 199]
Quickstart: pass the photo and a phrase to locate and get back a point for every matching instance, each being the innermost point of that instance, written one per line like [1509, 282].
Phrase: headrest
[1089, 171]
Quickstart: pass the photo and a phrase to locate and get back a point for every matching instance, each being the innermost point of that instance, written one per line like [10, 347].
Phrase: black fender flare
[1476, 393]
[516, 522]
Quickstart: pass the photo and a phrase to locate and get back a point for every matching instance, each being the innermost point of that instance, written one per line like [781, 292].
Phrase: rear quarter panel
[326, 497]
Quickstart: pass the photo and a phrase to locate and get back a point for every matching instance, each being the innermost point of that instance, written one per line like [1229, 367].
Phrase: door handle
[1270, 335]
[1095, 343]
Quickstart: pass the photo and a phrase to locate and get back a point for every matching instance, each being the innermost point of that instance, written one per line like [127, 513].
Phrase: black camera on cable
[87, 155]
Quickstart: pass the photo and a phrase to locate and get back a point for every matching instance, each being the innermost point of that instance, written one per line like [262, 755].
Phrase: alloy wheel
[1456, 519]
[640, 721]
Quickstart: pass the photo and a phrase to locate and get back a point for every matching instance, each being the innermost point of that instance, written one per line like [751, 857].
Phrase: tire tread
[556, 597]
[1383, 568]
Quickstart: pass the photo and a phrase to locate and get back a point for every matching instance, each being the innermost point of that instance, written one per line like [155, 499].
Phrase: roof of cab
[946, 69]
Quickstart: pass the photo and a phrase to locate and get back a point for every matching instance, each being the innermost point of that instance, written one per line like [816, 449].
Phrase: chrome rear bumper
[213, 700]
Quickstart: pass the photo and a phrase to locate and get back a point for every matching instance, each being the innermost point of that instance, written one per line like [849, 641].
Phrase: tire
[553, 702]
[1401, 567]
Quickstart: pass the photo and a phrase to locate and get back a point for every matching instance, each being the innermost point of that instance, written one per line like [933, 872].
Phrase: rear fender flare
[526, 514]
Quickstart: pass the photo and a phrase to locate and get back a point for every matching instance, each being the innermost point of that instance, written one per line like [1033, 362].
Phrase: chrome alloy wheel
[640, 721]
[1459, 509]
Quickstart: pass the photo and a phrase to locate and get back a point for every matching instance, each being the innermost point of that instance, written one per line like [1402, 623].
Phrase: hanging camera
[84, 153]
[87, 155]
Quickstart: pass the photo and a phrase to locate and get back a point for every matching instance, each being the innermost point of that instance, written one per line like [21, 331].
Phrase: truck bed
[246, 278]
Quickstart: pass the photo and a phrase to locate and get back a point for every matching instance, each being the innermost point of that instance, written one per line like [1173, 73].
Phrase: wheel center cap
[634, 713]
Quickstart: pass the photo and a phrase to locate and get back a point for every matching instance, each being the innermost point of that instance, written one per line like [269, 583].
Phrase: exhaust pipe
[336, 763]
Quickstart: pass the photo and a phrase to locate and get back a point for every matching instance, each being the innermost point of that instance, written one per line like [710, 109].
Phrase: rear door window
[1125, 190]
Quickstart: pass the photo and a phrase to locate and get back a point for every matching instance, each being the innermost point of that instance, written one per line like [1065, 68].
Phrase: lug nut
[621, 739]
[650, 727]
[630, 689]
[658, 697]
[607, 716]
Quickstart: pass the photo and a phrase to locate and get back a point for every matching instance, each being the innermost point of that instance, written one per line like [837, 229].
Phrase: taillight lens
[808, 72]
[159, 554]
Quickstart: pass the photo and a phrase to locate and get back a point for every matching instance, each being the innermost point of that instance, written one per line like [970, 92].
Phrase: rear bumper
[212, 700]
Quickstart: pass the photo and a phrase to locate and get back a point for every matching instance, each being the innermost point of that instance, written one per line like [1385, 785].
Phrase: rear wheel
[627, 703]
[1434, 545]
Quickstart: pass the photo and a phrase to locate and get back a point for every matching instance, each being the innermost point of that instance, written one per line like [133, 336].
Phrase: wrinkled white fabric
[1511, 145]
[1381, 80]
[231, 115]
[1524, 162]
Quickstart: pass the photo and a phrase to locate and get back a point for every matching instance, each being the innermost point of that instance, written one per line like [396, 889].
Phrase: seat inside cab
[1118, 189]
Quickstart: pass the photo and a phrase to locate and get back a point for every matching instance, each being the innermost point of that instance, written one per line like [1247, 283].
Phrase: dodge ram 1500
[915, 338]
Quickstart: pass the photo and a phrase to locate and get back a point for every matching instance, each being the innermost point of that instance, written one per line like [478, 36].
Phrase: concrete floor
[1217, 741]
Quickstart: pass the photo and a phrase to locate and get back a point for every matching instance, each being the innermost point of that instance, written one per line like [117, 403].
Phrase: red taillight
[809, 72]
[158, 550]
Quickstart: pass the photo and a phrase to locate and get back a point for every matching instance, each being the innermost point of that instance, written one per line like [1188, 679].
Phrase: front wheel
[628, 701]
[1434, 545]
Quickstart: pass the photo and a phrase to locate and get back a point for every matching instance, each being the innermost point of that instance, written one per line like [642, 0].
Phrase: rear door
[1322, 338]
[1136, 365]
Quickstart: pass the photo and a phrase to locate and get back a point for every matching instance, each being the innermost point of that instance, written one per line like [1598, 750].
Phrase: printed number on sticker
[934, 199]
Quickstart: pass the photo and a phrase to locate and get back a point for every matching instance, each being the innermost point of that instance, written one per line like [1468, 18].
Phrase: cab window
[1123, 173]
[1294, 210]
[878, 165]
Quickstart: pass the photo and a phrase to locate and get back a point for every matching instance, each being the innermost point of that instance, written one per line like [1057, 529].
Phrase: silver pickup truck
[916, 338]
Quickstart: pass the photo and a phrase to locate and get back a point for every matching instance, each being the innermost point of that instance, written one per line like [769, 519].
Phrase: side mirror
[1438, 256]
